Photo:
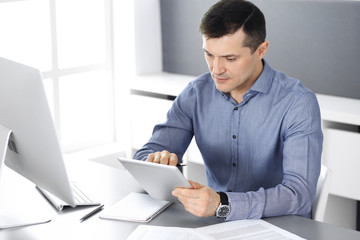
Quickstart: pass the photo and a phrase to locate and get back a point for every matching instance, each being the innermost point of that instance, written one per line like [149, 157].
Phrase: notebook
[135, 207]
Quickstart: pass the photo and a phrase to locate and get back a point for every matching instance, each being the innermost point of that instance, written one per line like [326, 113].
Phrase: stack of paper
[136, 207]
[241, 229]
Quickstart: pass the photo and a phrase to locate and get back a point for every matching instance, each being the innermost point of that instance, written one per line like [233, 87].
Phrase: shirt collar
[262, 84]
[264, 81]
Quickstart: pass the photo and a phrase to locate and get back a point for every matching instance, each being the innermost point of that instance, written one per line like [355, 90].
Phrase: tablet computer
[158, 180]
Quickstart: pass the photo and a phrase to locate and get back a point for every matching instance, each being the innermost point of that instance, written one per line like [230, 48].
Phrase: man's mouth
[220, 79]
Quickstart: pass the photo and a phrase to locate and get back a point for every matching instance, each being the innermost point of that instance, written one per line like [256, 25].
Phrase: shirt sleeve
[302, 147]
[176, 133]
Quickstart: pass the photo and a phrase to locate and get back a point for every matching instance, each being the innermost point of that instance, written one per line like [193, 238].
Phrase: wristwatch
[224, 208]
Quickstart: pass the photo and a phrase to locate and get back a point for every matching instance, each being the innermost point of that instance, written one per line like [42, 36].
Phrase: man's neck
[238, 94]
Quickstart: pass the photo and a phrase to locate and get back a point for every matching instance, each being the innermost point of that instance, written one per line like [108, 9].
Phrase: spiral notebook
[135, 207]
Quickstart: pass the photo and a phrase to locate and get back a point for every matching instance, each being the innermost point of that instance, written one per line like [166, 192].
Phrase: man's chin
[222, 88]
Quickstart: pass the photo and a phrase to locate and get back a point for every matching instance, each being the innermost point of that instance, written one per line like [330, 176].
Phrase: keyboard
[81, 198]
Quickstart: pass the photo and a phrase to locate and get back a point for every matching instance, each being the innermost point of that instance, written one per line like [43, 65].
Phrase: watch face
[223, 211]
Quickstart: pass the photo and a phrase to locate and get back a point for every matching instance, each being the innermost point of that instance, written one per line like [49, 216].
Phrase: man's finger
[196, 185]
[150, 157]
[173, 159]
[164, 157]
[154, 157]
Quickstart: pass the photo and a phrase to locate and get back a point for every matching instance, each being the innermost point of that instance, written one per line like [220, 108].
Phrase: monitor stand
[11, 218]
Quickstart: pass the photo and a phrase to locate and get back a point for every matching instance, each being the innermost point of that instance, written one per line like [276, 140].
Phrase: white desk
[108, 185]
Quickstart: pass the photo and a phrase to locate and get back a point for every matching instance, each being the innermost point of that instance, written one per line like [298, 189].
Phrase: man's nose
[218, 66]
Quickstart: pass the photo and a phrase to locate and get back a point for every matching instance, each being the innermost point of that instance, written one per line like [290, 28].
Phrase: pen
[180, 164]
[90, 214]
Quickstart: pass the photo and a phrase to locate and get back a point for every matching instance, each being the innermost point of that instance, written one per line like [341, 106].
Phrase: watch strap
[224, 209]
[223, 198]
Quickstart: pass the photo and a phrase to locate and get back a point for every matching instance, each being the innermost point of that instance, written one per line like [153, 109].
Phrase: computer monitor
[33, 147]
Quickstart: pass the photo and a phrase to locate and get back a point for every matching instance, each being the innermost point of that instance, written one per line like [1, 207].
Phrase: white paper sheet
[246, 229]
[12, 218]
[242, 229]
[146, 232]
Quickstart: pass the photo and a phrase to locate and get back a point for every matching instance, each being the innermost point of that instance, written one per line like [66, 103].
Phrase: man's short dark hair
[228, 16]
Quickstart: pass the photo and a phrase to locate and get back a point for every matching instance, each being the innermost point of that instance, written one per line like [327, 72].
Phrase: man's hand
[164, 157]
[201, 201]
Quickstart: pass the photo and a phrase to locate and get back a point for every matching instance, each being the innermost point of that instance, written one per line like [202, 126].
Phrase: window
[70, 41]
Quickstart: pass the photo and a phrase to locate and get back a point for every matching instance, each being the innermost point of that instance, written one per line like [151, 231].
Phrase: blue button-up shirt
[264, 152]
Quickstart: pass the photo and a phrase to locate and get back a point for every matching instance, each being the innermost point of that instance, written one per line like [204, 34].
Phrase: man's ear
[262, 49]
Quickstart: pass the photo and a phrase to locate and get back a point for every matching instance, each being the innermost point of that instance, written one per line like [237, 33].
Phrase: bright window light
[73, 44]
[86, 108]
[81, 32]
[25, 33]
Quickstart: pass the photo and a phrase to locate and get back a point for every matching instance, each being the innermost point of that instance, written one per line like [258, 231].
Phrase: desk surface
[108, 185]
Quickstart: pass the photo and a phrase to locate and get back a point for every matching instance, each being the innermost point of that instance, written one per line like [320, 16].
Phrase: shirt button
[236, 108]
[234, 164]
[234, 136]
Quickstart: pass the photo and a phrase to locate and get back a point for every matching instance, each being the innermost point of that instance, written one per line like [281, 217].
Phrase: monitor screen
[33, 147]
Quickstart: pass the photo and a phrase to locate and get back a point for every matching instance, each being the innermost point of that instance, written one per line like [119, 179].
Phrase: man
[258, 130]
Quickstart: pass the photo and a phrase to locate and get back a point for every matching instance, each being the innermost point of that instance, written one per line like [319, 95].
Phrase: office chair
[322, 194]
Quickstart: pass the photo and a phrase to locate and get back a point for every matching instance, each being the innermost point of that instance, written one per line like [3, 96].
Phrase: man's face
[234, 68]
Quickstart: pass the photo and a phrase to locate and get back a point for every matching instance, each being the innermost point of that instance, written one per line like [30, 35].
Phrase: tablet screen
[158, 180]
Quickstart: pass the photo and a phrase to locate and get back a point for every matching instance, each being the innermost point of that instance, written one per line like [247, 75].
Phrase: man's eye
[231, 59]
